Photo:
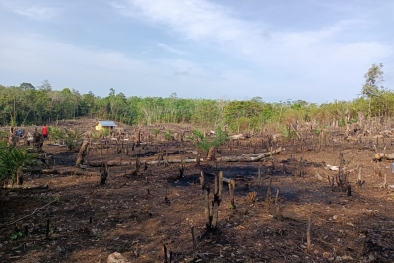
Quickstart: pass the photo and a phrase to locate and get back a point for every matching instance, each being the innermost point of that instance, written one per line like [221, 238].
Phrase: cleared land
[137, 212]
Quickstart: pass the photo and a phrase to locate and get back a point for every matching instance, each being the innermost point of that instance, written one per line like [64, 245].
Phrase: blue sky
[312, 50]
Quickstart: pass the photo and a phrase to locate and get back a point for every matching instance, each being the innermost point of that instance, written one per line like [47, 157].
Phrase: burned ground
[136, 214]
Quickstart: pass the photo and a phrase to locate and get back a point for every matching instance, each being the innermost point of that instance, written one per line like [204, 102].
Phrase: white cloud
[31, 10]
[170, 49]
[39, 13]
[217, 53]
[205, 22]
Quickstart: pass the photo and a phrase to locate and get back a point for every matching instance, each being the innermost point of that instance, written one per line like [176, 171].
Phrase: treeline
[27, 105]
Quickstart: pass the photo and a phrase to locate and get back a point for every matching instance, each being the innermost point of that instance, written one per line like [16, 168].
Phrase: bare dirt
[137, 214]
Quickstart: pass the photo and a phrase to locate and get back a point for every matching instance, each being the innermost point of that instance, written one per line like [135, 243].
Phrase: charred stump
[104, 171]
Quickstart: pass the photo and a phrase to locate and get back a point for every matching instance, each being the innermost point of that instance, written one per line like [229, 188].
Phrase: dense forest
[29, 105]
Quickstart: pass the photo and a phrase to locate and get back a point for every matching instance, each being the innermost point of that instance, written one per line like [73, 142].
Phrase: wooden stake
[202, 180]
[47, 232]
[268, 197]
[308, 235]
[194, 243]
[259, 175]
[231, 187]
[276, 201]
[207, 210]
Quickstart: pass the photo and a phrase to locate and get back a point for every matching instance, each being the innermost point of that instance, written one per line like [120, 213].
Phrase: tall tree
[373, 78]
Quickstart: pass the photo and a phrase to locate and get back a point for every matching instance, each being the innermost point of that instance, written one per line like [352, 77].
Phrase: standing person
[44, 131]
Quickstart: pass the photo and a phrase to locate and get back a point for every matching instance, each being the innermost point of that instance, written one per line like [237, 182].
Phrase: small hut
[105, 125]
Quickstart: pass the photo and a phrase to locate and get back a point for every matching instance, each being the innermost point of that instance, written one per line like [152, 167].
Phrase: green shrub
[204, 143]
[55, 133]
[13, 159]
[168, 135]
[100, 134]
[72, 138]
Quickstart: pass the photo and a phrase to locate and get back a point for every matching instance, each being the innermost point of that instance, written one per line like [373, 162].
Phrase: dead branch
[35, 211]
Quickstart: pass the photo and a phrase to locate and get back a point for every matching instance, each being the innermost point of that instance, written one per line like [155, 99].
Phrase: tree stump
[104, 170]
[82, 153]
[211, 154]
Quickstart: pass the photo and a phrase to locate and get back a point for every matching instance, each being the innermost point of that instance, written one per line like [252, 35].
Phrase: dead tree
[308, 235]
[259, 175]
[207, 208]
[104, 171]
[251, 198]
[198, 159]
[384, 183]
[202, 180]
[231, 187]
[211, 213]
[181, 170]
[217, 198]
[360, 181]
[138, 138]
[38, 139]
[269, 194]
[137, 167]
[82, 153]
[12, 139]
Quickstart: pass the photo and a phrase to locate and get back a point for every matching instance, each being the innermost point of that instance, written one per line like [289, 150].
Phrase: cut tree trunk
[211, 154]
[382, 156]
[82, 153]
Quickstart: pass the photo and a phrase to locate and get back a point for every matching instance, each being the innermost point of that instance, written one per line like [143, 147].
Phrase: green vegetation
[16, 235]
[13, 159]
[204, 143]
[72, 138]
[100, 134]
[26, 104]
[56, 133]
[168, 135]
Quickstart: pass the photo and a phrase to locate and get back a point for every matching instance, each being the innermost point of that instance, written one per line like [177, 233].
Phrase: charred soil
[138, 211]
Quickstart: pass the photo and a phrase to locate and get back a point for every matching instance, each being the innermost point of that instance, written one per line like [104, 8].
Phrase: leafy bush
[319, 129]
[72, 138]
[286, 132]
[204, 143]
[56, 133]
[13, 159]
[168, 135]
[100, 134]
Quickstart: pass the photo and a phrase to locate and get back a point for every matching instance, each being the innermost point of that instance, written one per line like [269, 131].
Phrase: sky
[311, 50]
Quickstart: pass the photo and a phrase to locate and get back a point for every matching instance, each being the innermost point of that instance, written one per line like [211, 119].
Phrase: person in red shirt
[44, 131]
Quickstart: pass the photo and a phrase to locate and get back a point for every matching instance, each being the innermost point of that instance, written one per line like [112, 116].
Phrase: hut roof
[107, 123]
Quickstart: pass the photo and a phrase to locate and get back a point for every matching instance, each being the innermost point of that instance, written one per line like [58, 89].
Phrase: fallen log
[237, 137]
[125, 163]
[109, 163]
[247, 157]
[25, 187]
[231, 158]
[192, 160]
[69, 172]
[383, 156]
